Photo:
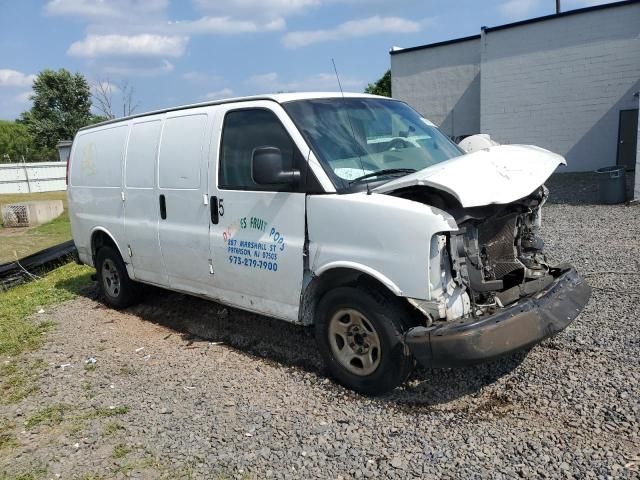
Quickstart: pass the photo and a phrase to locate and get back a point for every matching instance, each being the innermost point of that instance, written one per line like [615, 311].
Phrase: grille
[15, 216]
[496, 238]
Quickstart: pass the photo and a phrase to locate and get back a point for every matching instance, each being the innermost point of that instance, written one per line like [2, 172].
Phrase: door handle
[213, 205]
[163, 208]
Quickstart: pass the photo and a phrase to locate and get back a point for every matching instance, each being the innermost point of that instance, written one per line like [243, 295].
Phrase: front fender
[384, 236]
[360, 268]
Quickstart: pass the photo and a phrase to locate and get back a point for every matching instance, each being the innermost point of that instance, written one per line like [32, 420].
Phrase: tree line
[61, 104]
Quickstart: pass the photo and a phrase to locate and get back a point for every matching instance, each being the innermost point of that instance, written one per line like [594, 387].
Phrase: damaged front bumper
[518, 326]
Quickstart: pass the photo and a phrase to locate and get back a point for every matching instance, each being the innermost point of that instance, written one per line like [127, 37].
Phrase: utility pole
[558, 6]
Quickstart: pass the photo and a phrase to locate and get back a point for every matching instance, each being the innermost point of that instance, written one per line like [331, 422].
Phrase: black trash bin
[612, 185]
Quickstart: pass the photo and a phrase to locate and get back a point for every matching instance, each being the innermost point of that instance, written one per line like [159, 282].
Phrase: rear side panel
[95, 185]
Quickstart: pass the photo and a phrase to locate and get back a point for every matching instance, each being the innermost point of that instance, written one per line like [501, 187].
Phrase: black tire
[386, 316]
[110, 268]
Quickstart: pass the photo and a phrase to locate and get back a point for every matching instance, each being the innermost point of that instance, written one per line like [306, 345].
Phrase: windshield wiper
[386, 171]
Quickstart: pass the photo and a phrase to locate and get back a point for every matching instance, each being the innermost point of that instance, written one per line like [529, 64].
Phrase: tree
[17, 145]
[15, 142]
[103, 93]
[382, 86]
[61, 105]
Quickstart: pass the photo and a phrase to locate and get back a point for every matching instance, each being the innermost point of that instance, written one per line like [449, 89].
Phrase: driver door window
[243, 132]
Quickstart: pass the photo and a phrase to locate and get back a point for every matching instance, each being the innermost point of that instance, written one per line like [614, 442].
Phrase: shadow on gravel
[428, 387]
[201, 321]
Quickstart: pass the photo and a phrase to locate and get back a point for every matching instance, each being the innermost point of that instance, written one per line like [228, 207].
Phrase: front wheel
[118, 290]
[359, 337]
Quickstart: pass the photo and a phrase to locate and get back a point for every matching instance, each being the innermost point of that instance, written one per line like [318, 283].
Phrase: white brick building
[567, 82]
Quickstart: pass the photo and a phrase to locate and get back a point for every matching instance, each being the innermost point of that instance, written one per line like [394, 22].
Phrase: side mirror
[267, 168]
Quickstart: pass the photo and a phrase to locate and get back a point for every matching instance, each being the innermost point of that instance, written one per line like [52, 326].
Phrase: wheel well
[101, 239]
[334, 278]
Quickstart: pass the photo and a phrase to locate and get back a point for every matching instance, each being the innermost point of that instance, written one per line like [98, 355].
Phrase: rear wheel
[118, 290]
[359, 336]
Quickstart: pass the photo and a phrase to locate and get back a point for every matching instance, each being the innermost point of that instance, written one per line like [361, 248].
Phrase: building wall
[636, 188]
[442, 83]
[561, 83]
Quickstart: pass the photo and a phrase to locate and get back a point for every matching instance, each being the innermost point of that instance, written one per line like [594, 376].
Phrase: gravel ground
[187, 388]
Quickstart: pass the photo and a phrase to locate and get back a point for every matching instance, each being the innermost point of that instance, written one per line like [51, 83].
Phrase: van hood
[497, 175]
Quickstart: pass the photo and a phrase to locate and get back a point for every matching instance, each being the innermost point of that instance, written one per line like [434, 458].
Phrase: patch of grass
[17, 331]
[18, 380]
[7, 198]
[76, 427]
[51, 415]
[7, 438]
[20, 242]
[137, 464]
[111, 428]
[120, 451]
[90, 367]
[102, 412]
[90, 476]
[34, 473]
[57, 413]
[126, 370]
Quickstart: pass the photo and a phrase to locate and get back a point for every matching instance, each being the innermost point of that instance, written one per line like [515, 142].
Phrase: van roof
[275, 97]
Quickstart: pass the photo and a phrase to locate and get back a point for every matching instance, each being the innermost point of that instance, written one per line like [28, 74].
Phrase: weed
[77, 427]
[126, 370]
[102, 412]
[111, 428]
[34, 473]
[120, 451]
[19, 380]
[7, 439]
[51, 415]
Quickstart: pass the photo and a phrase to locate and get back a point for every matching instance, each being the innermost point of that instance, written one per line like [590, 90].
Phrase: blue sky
[174, 52]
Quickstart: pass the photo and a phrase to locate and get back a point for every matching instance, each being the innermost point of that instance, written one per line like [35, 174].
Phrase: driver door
[257, 234]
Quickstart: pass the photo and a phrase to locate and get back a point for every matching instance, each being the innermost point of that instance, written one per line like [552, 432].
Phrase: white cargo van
[350, 213]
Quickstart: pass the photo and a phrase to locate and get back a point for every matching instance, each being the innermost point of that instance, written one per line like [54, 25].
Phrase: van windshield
[362, 140]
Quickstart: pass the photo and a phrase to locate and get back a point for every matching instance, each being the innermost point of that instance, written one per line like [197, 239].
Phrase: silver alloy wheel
[110, 278]
[354, 342]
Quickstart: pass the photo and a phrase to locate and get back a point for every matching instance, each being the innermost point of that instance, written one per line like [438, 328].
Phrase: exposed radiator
[496, 239]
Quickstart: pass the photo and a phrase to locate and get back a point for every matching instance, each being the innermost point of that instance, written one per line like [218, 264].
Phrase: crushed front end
[493, 290]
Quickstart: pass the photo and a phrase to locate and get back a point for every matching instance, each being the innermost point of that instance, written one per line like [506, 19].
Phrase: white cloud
[14, 78]
[514, 9]
[271, 82]
[224, 25]
[142, 45]
[245, 16]
[139, 69]
[351, 29]
[264, 80]
[218, 94]
[256, 8]
[105, 9]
